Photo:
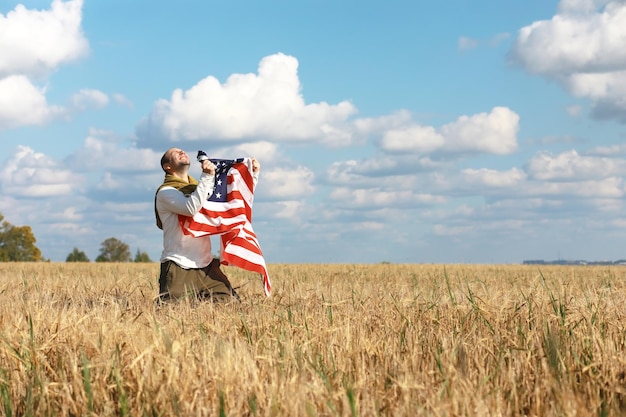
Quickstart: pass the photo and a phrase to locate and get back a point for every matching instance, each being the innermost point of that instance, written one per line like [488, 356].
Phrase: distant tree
[113, 250]
[17, 244]
[141, 256]
[77, 256]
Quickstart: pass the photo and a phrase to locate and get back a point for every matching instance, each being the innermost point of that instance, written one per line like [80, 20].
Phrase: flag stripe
[245, 243]
[245, 253]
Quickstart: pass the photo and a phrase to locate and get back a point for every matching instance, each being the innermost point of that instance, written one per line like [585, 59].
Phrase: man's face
[177, 158]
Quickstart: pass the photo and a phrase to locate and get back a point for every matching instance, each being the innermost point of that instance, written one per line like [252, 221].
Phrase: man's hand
[208, 167]
[256, 167]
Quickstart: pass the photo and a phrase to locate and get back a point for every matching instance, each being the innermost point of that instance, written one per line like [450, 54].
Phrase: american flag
[228, 213]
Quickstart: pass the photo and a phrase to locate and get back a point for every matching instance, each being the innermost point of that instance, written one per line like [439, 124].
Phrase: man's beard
[182, 164]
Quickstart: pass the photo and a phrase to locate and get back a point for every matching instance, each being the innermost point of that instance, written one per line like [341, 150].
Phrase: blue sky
[400, 131]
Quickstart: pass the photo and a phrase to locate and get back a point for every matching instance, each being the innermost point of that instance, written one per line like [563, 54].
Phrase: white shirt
[186, 251]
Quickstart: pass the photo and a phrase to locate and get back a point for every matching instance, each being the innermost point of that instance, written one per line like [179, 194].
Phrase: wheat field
[333, 340]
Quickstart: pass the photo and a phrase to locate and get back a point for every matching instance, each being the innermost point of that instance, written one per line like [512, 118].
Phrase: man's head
[175, 160]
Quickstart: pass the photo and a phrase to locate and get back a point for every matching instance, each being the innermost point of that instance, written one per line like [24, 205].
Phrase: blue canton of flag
[220, 191]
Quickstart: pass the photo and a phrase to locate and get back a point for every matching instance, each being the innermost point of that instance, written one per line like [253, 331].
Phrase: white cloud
[581, 6]
[101, 150]
[494, 132]
[609, 150]
[70, 229]
[587, 40]
[90, 98]
[31, 174]
[417, 139]
[379, 125]
[606, 90]
[72, 214]
[611, 187]
[265, 152]
[110, 182]
[493, 178]
[122, 100]
[388, 171]
[583, 48]
[21, 103]
[267, 105]
[35, 42]
[291, 210]
[346, 172]
[572, 166]
[376, 198]
[286, 183]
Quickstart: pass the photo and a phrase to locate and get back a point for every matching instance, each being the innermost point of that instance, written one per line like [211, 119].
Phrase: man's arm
[172, 200]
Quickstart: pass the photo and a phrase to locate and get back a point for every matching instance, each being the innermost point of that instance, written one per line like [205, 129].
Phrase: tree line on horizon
[18, 244]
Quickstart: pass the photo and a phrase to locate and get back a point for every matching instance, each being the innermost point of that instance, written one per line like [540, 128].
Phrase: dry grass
[401, 340]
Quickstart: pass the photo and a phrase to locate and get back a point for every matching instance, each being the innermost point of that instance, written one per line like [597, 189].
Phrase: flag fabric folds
[228, 213]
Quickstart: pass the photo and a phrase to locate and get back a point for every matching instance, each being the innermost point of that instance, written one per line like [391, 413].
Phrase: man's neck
[182, 174]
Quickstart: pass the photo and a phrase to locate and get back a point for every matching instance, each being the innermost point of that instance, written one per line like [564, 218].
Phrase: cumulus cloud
[31, 174]
[375, 198]
[582, 47]
[494, 178]
[291, 210]
[606, 90]
[572, 166]
[265, 152]
[288, 184]
[611, 187]
[392, 171]
[546, 183]
[21, 103]
[583, 38]
[35, 42]
[581, 6]
[609, 150]
[382, 124]
[494, 132]
[102, 150]
[419, 139]
[264, 105]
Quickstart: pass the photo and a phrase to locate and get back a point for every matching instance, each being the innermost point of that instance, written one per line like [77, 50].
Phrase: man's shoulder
[165, 190]
[165, 187]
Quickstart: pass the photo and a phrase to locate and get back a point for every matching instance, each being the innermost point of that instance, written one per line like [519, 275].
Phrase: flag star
[219, 182]
[218, 195]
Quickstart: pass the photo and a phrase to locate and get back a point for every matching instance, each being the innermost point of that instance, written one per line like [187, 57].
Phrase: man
[187, 264]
